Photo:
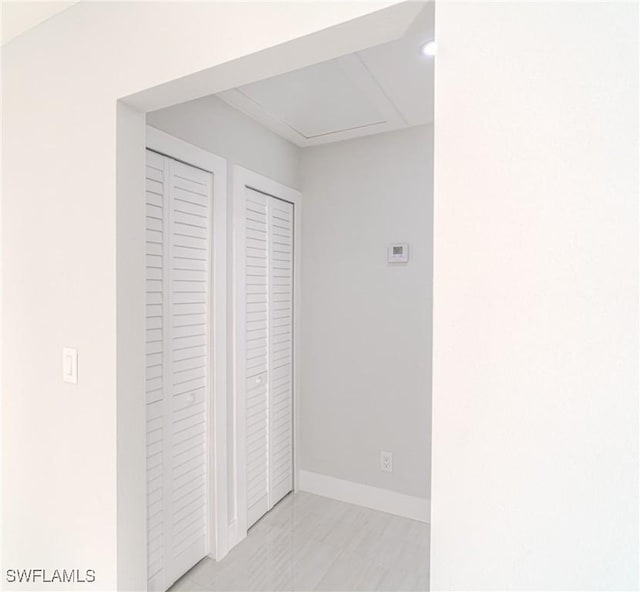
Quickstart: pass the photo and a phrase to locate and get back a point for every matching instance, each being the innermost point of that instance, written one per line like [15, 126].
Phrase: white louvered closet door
[257, 352]
[178, 201]
[280, 349]
[268, 356]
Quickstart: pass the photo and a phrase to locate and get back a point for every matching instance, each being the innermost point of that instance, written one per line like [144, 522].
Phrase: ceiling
[380, 89]
[18, 16]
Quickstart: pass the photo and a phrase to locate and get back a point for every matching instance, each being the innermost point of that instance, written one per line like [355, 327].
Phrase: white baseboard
[392, 502]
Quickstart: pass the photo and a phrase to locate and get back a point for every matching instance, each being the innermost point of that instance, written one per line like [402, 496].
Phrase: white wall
[366, 325]
[535, 392]
[217, 127]
[72, 267]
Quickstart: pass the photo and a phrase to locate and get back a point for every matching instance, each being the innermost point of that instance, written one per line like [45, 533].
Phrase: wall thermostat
[398, 253]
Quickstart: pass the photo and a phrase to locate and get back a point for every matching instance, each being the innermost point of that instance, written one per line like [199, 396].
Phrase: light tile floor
[308, 542]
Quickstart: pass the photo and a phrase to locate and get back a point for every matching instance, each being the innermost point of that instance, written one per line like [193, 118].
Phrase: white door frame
[216, 400]
[242, 178]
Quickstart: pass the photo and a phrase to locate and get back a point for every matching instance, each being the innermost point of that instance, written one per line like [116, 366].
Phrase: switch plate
[70, 365]
[386, 462]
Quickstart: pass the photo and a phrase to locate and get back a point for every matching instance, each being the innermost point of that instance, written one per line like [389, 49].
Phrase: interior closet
[264, 244]
[195, 421]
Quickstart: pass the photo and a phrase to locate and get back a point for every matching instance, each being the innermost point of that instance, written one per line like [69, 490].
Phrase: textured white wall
[366, 325]
[71, 496]
[535, 392]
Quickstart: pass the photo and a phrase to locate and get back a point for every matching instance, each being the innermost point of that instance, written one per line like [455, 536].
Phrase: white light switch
[70, 365]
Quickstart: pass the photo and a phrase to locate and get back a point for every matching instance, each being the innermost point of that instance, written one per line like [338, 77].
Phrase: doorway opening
[289, 283]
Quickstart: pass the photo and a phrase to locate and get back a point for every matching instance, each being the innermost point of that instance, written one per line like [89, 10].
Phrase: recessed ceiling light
[428, 49]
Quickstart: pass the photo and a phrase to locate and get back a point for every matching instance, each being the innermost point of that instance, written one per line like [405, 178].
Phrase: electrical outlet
[386, 462]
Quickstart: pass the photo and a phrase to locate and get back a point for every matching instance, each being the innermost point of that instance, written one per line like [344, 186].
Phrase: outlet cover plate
[386, 462]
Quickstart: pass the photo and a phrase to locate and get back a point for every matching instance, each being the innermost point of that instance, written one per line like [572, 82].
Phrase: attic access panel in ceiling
[330, 101]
